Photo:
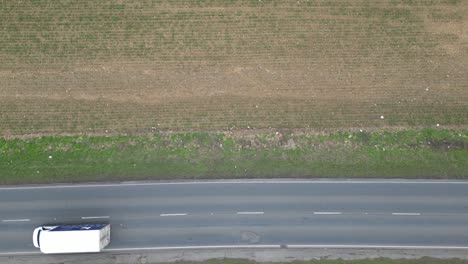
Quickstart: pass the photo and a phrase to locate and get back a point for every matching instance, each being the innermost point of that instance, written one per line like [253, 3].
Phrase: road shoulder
[259, 255]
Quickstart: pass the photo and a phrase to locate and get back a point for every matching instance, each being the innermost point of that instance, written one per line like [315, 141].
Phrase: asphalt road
[404, 214]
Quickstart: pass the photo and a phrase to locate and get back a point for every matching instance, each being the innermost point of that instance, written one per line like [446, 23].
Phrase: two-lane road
[401, 214]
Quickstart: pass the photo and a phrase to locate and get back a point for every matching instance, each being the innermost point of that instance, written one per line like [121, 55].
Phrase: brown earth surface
[137, 66]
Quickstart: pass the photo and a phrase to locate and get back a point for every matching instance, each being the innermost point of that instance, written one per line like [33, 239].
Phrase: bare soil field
[138, 66]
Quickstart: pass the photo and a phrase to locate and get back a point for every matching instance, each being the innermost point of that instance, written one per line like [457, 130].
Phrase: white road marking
[21, 253]
[193, 247]
[245, 181]
[259, 246]
[250, 213]
[406, 213]
[16, 220]
[378, 246]
[327, 213]
[181, 214]
[95, 217]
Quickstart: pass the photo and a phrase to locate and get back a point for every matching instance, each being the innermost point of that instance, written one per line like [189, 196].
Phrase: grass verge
[424, 153]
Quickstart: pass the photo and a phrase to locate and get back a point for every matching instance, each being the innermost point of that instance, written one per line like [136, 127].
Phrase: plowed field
[137, 66]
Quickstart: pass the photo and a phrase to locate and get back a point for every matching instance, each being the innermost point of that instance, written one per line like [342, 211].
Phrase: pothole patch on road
[250, 237]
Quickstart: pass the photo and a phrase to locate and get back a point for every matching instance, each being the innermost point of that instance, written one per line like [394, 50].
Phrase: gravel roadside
[260, 255]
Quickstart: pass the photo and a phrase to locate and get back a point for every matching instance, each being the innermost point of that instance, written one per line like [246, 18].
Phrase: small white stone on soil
[50, 157]
[382, 117]
[107, 131]
[437, 125]
[360, 130]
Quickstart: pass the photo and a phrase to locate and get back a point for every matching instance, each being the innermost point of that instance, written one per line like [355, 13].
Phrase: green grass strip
[425, 153]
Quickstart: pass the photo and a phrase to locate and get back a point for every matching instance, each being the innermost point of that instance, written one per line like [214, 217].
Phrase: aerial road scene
[234, 131]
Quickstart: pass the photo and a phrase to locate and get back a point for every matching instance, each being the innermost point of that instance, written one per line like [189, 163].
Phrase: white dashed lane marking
[16, 220]
[250, 213]
[414, 214]
[179, 214]
[95, 217]
[327, 213]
